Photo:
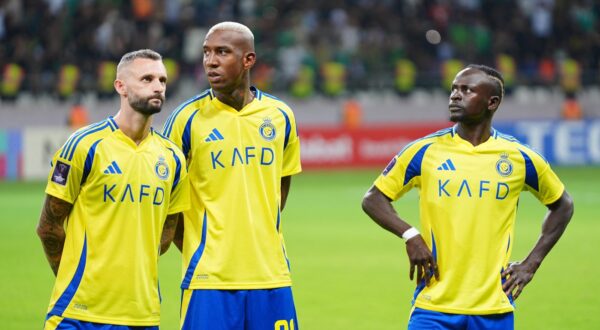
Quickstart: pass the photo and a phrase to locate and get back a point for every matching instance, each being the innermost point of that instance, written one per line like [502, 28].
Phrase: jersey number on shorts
[284, 325]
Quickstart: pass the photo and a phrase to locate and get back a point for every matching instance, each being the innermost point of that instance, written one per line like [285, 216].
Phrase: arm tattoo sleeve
[50, 229]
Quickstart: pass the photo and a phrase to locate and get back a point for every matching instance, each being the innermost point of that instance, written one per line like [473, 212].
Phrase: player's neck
[238, 98]
[134, 124]
[475, 134]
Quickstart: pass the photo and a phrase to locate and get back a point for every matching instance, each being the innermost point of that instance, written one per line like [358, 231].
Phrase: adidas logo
[215, 135]
[447, 166]
[113, 168]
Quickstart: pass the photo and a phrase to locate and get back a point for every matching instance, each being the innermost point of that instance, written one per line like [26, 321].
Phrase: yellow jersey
[121, 195]
[236, 159]
[468, 202]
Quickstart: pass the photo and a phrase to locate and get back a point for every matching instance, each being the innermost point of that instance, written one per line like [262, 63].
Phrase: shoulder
[505, 137]
[426, 141]
[168, 144]
[528, 152]
[441, 134]
[187, 107]
[274, 101]
[80, 142]
[195, 101]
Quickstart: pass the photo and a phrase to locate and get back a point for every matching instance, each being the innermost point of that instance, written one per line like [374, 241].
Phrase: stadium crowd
[65, 46]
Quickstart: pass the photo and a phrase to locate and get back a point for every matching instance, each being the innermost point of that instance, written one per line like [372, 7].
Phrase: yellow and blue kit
[468, 202]
[233, 234]
[121, 195]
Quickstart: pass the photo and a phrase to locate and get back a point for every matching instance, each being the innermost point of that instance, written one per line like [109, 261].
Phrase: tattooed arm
[50, 229]
[169, 232]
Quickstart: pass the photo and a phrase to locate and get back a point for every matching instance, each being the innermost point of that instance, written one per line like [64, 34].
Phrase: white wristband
[410, 233]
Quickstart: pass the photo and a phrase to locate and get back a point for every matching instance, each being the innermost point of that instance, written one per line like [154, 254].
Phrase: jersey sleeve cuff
[385, 191]
[179, 209]
[292, 172]
[59, 195]
[555, 197]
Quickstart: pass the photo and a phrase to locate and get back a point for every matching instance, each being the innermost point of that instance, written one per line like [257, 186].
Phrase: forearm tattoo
[50, 229]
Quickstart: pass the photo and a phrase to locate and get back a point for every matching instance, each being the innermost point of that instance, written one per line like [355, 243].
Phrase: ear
[249, 60]
[120, 87]
[493, 103]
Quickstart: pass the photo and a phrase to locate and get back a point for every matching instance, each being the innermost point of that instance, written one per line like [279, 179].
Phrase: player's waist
[238, 285]
[211, 277]
[132, 319]
[464, 300]
[458, 309]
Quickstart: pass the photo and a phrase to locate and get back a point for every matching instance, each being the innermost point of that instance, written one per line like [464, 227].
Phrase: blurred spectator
[571, 109]
[352, 114]
[12, 77]
[302, 38]
[78, 115]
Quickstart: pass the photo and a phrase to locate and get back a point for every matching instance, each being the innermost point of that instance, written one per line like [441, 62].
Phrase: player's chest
[234, 141]
[495, 174]
[125, 176]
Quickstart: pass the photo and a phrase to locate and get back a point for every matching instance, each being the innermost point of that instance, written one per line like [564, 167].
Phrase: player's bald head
[132, 56]
[245, 37]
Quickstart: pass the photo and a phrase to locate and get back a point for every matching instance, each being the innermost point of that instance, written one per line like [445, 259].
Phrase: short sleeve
[403, 172]
[173, 129]
[178, 127]
[180, 190]
[291, 152]
[540, 179]
[64, 179]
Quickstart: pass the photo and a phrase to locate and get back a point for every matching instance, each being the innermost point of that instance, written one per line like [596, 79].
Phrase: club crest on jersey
[267, 130]
[161, 169]
[504, 166]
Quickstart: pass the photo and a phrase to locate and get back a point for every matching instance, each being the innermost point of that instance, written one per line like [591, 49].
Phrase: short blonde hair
[233, 26]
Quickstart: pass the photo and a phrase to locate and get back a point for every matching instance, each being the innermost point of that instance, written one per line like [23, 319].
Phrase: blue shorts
[61, 323]
[426, 319]
[238, 309]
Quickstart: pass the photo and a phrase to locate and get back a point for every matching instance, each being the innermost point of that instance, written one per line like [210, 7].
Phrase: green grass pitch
[348, 273]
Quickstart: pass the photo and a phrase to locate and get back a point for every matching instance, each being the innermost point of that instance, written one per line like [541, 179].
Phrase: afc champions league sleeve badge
[504, 166]
[161, 168]
[267, 130]
[389, 166]
[61, 173]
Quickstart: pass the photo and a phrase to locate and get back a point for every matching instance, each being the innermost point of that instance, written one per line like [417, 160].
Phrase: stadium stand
[59, 47]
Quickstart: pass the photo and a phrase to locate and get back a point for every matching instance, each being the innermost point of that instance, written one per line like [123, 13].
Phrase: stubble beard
[143, 105]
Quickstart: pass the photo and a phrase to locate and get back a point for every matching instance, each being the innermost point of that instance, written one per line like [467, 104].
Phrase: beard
[143, 105]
